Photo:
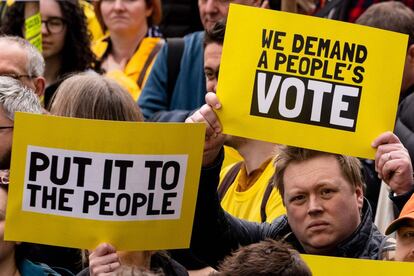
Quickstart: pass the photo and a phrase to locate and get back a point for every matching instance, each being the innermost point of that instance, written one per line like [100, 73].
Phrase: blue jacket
[27, 268]
[190, 87]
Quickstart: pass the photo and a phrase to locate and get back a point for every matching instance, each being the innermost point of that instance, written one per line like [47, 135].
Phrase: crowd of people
[259, 204]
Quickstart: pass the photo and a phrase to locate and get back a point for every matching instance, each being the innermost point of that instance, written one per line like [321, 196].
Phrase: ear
[40, 84]
[410, 54]
[360, 197]
[149, 11]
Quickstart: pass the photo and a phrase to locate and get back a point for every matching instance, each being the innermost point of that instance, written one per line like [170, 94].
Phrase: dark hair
[216, 34]
[268, 257]
[76, 54]
[392, 16]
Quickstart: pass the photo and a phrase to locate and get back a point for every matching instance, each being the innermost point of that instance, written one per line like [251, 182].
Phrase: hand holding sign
[393, 163]
[103, 260]
[214, 136]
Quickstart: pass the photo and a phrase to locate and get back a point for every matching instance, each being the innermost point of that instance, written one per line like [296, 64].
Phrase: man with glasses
[14, 97]
[22, 61]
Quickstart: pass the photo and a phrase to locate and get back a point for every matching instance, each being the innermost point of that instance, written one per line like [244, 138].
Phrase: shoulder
[194, 40]
[27, 268]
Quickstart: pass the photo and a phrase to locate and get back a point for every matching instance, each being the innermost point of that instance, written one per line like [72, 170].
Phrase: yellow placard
[37, 42]
[33, 25]
[328, 266]
[309, 82]
[78, 182]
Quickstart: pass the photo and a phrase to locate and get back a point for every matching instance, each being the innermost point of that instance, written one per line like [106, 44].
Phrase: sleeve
[153, 97]
[400, 200]
[215, 232]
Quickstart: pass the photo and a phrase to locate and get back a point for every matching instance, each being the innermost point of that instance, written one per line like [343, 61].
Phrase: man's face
[6, 136]
[212, 55]
[13, 60]
[322, 207]
[212, 11]
[405, 243]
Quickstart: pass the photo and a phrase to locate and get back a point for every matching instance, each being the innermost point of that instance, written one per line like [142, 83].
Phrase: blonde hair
[350, 166]
[92, 96]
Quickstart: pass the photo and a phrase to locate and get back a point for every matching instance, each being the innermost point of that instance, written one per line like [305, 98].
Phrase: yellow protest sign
[79, 182]
[308, 82]
[327, 266]
[33, 29]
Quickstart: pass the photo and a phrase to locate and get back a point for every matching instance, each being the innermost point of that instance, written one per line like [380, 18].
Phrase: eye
[209, 74]
[326, 192]
[55, 22]
[408, 234]
[298, 199]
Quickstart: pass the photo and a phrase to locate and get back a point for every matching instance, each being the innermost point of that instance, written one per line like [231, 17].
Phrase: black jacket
[216, 233]
[404, 126]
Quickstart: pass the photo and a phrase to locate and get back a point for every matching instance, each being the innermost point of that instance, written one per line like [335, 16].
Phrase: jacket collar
[354, 246]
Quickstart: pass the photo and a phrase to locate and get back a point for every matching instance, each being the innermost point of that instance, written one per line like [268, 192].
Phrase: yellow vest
[135, 66]
[246, 205]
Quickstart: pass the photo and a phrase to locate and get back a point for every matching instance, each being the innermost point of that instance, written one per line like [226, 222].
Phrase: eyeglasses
[16, 76]
[55, 25]
[6, 127]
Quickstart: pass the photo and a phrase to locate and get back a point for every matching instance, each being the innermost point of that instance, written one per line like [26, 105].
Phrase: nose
[44, 29]
[211, 6]
[315, 206]
[212, 85]
[119, 5]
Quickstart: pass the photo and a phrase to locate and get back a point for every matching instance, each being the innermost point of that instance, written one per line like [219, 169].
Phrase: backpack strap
[148, 62]
[228, 180]
[265, 199]
[175, 52]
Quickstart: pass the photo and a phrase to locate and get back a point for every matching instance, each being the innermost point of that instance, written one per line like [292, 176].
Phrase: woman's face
[125, 16]
[6, 248]
[53, 28]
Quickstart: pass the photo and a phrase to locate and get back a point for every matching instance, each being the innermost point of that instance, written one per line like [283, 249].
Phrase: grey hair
[15, 97]
[36, 62]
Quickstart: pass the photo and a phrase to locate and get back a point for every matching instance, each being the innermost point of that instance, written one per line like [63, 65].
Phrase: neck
[135, 258]
[255, 152]
[52, 68]
[8, 266]
[124, 46]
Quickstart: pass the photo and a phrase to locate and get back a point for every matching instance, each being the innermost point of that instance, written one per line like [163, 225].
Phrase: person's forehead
[12, 58]
[321, 168]
[213, 50]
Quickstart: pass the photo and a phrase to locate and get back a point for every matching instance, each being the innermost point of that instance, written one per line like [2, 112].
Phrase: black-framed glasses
[6, 127]
[54, 25]
[16, 76]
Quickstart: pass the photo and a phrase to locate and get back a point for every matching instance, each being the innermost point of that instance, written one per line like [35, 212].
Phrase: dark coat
[216, 233]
